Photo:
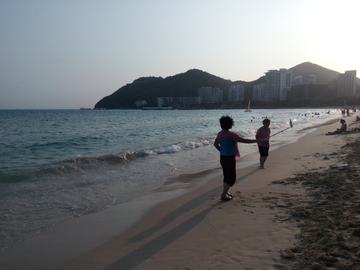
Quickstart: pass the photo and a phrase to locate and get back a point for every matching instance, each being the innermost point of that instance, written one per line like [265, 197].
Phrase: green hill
[323, 75]
[149, 88]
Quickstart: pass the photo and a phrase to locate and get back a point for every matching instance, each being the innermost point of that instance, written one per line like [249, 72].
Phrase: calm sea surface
[61, 164]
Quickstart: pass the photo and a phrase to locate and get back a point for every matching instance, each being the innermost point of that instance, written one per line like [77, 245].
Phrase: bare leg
[225, 191]
[262, 162]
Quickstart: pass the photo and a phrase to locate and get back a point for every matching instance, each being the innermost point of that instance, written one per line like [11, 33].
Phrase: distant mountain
[149, 88]
[186, 85]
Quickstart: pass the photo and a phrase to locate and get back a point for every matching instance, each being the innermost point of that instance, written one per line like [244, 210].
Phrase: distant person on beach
[261, 134]
[357, 118]
[226, 142]
[339, 130]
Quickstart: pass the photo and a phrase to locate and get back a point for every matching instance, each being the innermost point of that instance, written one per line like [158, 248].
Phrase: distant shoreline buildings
[279, 85]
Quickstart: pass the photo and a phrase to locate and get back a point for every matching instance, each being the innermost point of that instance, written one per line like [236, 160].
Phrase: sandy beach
[300, 212]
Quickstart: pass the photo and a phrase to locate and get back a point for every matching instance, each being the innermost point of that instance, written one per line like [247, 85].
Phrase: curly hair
[266, 121]
[226, 122]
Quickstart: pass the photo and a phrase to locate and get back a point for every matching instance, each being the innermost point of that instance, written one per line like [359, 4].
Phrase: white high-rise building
[259, 92]
[209, 94]
[347, 83]
[236, 93]
[277, 81]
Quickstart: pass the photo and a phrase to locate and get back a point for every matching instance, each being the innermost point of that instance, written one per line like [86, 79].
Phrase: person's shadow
[152, 247]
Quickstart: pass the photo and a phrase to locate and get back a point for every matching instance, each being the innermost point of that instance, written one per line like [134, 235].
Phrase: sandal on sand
[226, 198]
[230, 195]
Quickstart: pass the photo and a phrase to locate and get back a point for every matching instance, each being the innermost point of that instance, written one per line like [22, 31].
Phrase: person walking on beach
[226, 143]
[263, 133]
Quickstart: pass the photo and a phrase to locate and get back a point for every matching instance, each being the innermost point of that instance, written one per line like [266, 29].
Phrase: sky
[69, 54]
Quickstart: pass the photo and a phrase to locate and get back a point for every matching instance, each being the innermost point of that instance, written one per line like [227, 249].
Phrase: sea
[57, 165]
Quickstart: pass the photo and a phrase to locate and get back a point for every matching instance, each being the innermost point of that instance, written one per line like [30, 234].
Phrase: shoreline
[153, 216]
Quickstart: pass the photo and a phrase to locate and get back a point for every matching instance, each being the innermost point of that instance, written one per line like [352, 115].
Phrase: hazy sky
[69, 54]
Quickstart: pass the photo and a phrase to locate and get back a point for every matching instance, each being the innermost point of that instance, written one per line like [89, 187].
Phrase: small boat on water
[248, 107]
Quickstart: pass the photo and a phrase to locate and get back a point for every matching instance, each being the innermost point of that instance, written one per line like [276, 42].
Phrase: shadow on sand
[152, 247]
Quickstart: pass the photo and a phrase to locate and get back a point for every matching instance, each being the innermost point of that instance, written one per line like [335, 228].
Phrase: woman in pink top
[263, 133]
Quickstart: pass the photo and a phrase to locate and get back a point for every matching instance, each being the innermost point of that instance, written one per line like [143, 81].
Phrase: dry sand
[301, 212]
[329, 216]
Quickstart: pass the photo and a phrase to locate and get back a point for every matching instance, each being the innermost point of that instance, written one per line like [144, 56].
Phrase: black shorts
[228, 164]
[264, 151]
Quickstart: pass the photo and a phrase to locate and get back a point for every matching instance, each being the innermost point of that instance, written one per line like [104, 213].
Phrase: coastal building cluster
[279, 85]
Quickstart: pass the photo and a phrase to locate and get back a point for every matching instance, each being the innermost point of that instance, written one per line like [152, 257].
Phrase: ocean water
[61, 164]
